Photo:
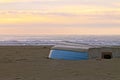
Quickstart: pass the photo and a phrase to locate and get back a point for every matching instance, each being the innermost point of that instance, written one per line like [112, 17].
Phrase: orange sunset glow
[35, 17]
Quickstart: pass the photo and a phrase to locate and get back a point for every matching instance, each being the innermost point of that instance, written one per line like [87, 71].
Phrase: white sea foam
[53, 40]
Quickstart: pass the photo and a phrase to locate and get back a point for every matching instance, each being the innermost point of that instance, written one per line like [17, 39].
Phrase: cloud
[117, 4]
[53, 4]
[3, 1]
[63, 18]
[30, 29]
[59, 16]
[13, 1]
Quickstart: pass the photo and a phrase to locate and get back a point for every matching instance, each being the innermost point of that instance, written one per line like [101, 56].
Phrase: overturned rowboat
[83, 52]
[70, 52]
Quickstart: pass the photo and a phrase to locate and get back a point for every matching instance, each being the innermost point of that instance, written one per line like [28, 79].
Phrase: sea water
[113, 40]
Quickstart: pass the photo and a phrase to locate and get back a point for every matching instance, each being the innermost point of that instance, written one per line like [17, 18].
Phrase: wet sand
[31, 63]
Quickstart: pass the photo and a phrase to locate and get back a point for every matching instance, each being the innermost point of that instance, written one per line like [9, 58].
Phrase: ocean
[113, 40]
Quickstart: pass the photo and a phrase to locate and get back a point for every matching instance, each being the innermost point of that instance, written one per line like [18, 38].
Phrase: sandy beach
[31, 63]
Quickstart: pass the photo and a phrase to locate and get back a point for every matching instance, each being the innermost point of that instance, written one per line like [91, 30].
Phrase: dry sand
[31, 63]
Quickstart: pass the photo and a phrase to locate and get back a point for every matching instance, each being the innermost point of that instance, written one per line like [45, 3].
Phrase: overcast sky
[35, 17]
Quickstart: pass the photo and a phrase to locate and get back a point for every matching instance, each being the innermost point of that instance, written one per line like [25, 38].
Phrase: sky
[78, 17]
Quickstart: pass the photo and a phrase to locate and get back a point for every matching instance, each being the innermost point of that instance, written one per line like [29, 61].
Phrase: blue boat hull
[68, 55]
